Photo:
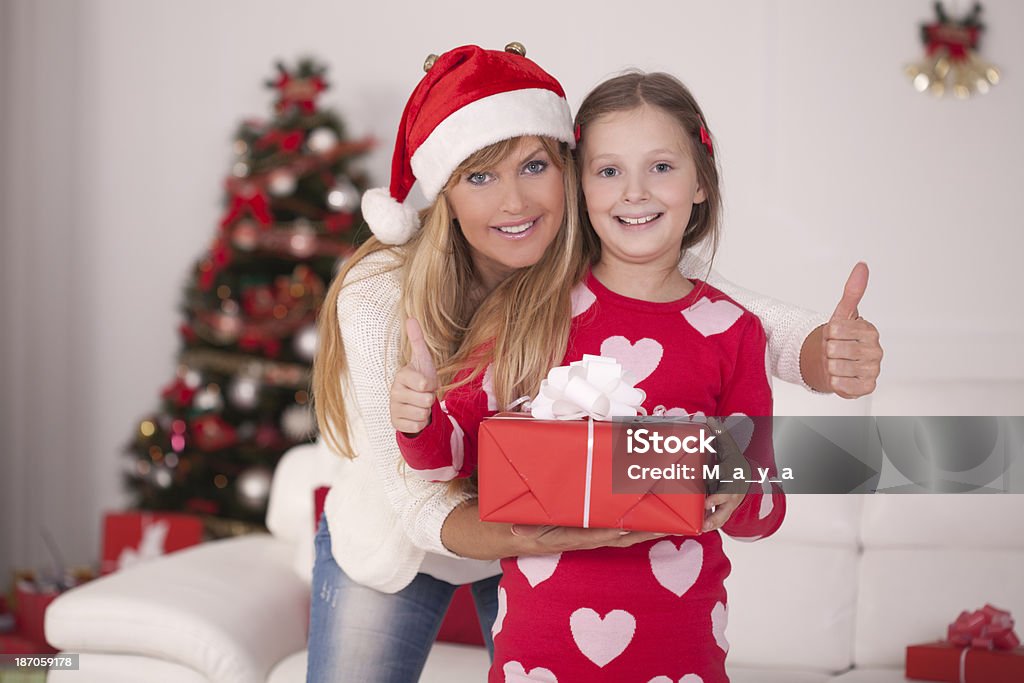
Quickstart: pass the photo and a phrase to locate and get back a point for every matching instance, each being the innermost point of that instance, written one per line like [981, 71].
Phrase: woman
[487, 134]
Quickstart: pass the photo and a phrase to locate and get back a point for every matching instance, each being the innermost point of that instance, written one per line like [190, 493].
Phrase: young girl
[655, 610]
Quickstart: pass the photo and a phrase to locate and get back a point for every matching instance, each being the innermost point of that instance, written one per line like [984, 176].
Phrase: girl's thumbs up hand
[414, 390]
[851, 351]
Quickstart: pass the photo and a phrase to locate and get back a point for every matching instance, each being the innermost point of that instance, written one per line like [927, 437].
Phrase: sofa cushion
[228, 609]
[740, 674]
[791, 596]
[111, 668]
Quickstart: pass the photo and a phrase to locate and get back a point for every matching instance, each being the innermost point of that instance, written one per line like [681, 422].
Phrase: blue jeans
[360, 635]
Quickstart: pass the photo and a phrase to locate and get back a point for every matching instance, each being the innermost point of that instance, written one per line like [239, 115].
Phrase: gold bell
[516, 48]
[429, 62]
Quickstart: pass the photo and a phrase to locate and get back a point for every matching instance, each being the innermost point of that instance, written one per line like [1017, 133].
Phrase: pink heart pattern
[675, 568]
[538, 568]
[488, 387]
[741, 428]
[711, 318]
[499, 618]
[688, 678]
[719, 619]
[516, 673]
[602, 639]
[639, 359]
[582, 299]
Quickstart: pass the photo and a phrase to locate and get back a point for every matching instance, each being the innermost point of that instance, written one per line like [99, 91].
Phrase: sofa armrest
[229, 609]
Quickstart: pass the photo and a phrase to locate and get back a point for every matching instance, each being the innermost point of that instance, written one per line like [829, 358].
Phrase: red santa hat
[469, 98]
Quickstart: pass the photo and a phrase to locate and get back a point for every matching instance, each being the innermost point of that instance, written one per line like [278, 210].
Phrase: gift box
[132, 537]
[30, 613]
[560, 472]
[981, 648]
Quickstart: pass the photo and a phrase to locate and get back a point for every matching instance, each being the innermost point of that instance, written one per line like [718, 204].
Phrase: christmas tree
[240, 397]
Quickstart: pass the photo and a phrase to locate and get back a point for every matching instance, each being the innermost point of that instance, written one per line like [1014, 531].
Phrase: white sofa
[836, 595]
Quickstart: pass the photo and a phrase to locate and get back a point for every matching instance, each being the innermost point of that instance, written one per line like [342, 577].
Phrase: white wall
[117, 118]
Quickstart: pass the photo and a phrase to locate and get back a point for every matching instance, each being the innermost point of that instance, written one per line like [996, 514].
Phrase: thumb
[420, 359]
[852, 293]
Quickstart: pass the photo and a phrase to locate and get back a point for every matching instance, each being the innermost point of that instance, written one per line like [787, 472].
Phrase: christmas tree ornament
[246, 199]
[240, 169]
[304, 343]
[469, 98]
[302, 242]
[298, 89]
[208, 398]
[321, 140]
[240, 147]
[212, 433]
[245, 235]
[192, 378]
[951, 62]
[282, 140]
[179, 393]
[343, 196]
[297, 422]
[161, 477]
[244, 392]
[281, 182]
[268, 436]
[252, 487]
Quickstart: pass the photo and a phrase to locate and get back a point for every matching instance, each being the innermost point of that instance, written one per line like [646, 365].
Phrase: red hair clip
[705, 137]
[576, 133]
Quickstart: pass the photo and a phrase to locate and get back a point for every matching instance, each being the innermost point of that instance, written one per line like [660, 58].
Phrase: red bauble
[213, 433]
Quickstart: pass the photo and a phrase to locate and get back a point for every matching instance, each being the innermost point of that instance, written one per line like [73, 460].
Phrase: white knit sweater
[386, 526]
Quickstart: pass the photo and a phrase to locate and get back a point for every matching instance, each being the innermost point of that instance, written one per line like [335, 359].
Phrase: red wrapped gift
[981, 648]
[560, 472]
[131, 537]
[29, 614]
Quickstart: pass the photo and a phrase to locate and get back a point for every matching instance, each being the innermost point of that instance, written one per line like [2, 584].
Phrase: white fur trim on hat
[390, 221]
[531, 111]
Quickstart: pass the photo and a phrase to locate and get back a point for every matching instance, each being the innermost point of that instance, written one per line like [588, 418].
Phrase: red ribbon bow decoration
[284, 140]
[988, 628]
[298, 89]
[247, 198]
[705, 137]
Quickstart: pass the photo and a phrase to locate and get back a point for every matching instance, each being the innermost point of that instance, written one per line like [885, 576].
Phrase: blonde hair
[632, 90]
[441, 290]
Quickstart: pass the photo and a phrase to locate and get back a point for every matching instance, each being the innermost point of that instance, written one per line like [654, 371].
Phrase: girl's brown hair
[635, 89]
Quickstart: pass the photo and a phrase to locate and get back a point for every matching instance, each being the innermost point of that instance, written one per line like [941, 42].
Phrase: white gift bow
[596, 387]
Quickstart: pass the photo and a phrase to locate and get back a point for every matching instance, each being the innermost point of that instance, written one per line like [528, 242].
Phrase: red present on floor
[982, 648]
[944, 661]
[561, 472]
[131, 537]
[29, 614]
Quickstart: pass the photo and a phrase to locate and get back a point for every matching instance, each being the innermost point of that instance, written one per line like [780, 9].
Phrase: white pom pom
[390, 221]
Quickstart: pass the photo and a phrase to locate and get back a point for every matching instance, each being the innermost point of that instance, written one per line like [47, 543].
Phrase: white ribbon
[596, 387]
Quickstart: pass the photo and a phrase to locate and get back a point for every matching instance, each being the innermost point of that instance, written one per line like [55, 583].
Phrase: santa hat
[469, 98]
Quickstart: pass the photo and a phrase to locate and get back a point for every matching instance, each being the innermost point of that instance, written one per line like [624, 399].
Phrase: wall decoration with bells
[951, 62]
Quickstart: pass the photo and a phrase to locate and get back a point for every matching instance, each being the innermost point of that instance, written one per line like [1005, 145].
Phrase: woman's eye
[534, 167]
[662, 167]
[608, 172]
[478, 178]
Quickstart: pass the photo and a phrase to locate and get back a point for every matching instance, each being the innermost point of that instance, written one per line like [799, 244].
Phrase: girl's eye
[478, 178]
[662, 167]
[534, 167]
[608, 172]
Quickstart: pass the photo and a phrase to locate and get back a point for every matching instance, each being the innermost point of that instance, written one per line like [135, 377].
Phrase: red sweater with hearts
[656, 608]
